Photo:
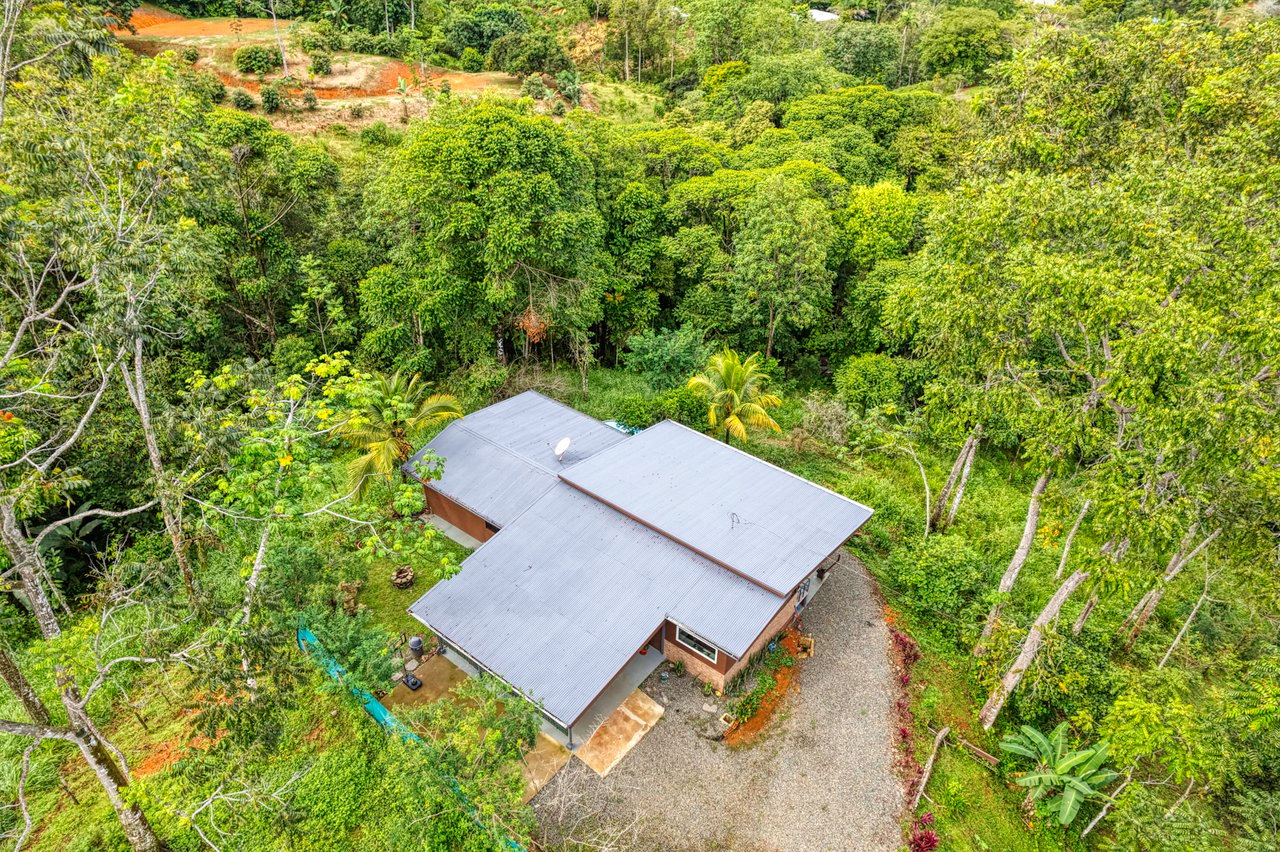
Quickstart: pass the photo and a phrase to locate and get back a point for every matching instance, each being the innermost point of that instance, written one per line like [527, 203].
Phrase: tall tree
[780, 266]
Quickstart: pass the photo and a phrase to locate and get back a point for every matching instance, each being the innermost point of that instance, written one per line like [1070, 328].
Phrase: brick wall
[776, 626]
[693, 664]
[720, 674]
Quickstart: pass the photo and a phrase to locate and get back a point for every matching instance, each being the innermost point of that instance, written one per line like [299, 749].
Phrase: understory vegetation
[1006, 273]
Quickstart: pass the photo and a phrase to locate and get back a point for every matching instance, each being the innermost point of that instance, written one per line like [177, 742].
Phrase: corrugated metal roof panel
[560, 600]
[530, 425]
[495, 484]
[501, 459]
[740, 511]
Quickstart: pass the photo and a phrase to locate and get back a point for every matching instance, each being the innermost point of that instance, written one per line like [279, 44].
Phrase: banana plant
[1069, 777]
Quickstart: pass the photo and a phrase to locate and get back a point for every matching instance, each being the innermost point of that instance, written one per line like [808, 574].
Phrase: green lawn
[390, 605]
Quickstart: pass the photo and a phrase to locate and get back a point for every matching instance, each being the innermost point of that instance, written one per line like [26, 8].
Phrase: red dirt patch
[218, 27]
[165, 754]
[147, 15]
[741, 733]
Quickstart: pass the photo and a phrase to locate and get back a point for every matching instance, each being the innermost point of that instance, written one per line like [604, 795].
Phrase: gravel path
[819, 778]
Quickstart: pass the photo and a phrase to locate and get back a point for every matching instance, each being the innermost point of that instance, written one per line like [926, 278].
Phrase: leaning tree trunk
[103, 758]
[170, 510]
[939, 518]
[1019, 559]
[22, 689]
[1071, 537]
[1030, 647]
[964, 476]
[1146, 607]
[1084, 614]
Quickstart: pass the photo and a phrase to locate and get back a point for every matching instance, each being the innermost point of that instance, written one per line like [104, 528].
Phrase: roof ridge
[504, 449]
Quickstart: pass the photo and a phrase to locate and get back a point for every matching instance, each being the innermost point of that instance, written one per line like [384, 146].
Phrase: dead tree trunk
[1030, 647]
[1019, 559]
[1071, 537]
[98, 752]
[1146, 607]
[22, 689]
[939, 518]
[1084, 614]
[964, 476]
[170, 509]
[1191, 617]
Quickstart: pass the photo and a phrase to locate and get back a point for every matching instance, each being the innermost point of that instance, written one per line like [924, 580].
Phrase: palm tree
[392, 416]
[735, 394]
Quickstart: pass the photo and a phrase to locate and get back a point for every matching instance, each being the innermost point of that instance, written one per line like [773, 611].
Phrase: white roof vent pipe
[562, 447]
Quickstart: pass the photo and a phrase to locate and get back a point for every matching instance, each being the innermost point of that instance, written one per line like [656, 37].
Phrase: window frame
[714, 658]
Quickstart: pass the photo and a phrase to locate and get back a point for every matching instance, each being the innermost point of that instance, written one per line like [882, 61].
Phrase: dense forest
[1012, 273]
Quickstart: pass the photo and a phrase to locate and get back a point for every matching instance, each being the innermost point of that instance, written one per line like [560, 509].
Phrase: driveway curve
[819, 779]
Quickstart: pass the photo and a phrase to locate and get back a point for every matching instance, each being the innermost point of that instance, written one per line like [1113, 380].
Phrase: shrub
[667, 358]
[481, 27]
[380, 134]
[256, 59]
[527, 53]
[868, 381]
[637, 411]
[558, 108]
[942, 573]
[241, 99]
[271, 99]
[684, 405]
[321, 63]
[191, 55]
[472, 60]
[208, 85]
[534, 87]
[309, 99]
[358, 110]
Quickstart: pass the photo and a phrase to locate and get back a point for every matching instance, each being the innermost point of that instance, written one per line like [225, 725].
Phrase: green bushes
[570, 85]
[942, 573]
[667, 358]
[207, 85]
[321, 63]
[533, 87]
[272, 99]
[529, 53]
[869, 381]
[240, 99]
[681, 404]
[471, 60]
[256, 59]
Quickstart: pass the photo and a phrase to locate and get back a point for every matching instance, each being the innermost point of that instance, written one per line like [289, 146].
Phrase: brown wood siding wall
[464, 519]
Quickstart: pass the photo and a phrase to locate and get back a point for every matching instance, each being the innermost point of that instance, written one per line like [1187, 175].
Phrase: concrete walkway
[819, 778]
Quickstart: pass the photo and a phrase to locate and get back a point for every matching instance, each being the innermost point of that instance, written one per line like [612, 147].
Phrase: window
[698, 645]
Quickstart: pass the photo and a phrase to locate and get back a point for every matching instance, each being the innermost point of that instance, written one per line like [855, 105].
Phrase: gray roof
[501, 459]
[759, 520]
[561, 599]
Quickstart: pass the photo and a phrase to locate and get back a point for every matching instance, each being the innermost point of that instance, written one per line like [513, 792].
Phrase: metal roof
[763, 522]
[561, 599]
[501, 459]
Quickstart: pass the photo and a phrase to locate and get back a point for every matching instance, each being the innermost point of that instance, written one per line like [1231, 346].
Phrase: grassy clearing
[623, 104]
[390, 605]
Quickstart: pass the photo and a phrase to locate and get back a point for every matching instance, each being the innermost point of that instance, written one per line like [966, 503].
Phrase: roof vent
[562, 447]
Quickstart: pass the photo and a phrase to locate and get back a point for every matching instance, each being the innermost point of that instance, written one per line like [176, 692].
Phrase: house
[599, 563]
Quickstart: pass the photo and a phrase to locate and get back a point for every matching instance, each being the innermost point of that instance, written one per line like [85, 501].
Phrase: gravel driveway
[819, 778]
